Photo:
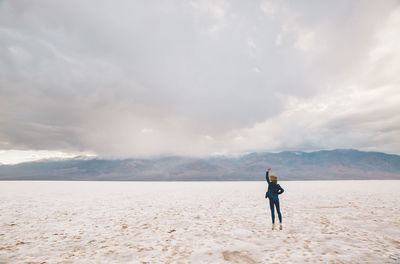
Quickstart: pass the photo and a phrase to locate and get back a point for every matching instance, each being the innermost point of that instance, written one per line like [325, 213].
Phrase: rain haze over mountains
[197, 79]
[321, 165]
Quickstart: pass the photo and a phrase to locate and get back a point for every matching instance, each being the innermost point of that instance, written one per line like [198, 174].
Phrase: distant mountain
[288, 165]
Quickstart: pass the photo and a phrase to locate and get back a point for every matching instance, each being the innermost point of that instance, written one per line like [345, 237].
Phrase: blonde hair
[273, 178]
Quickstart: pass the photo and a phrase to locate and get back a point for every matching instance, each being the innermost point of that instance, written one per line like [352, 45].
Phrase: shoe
[280, 227]
[273, 226]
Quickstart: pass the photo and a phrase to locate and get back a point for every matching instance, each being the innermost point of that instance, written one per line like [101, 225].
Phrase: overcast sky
[145, 78]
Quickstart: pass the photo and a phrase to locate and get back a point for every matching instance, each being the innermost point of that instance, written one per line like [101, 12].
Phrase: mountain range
[339, 164]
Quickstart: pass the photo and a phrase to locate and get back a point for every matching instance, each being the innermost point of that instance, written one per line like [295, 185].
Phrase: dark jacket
[273, 189]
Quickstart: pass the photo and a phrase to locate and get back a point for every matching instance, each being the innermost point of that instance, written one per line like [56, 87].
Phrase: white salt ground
[198, 222]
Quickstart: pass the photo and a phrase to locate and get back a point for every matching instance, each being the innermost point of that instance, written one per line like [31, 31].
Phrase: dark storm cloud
[131, 78]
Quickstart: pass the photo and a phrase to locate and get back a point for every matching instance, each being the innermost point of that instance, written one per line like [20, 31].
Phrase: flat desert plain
[198, 222]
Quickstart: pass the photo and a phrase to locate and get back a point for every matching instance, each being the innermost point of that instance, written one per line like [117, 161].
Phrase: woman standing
[274, 189]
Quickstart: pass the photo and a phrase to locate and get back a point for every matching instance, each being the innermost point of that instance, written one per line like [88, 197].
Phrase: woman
[274, 189]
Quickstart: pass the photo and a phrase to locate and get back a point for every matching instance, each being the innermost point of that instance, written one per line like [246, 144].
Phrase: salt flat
[198, 222]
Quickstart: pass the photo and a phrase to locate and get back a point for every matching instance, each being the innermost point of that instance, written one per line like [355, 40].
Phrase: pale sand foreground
[198, 222]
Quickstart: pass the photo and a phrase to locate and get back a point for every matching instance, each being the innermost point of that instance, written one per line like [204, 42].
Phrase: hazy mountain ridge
[288, 165]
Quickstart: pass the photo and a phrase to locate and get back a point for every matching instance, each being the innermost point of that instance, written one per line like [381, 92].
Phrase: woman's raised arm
[267, 175]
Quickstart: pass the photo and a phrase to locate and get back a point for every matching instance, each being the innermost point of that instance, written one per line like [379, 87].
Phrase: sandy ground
[198, 222]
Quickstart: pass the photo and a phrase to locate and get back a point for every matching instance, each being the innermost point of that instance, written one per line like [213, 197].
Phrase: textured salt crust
[198, 222]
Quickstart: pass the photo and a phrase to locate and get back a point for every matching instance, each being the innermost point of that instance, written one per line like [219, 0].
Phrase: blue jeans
[275, 203]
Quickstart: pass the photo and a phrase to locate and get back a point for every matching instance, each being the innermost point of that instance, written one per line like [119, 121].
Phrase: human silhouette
[274, 189]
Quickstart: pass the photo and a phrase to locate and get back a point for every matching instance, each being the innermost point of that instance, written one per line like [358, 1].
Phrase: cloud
[268, 8]
[348, 117]
[128, 78]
